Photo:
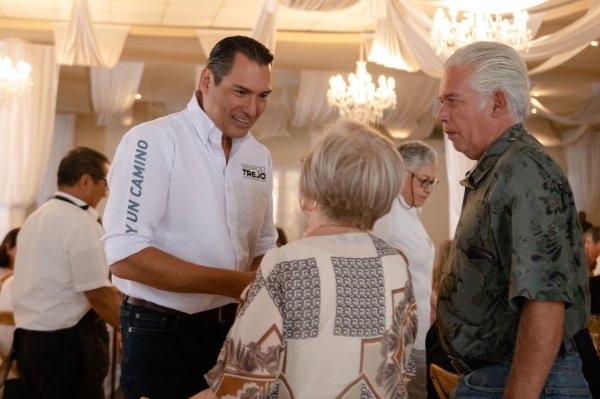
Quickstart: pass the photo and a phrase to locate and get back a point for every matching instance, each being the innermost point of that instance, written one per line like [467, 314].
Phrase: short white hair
[496, 66]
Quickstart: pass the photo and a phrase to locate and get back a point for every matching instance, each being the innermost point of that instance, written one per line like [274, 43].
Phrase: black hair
[222, 55]
[281, 237]
[78, 162]
[10, 241]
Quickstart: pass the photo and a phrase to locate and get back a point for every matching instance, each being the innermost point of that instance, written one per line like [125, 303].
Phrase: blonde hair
[353, 173]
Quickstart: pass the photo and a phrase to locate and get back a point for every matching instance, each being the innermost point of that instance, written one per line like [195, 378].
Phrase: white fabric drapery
[457, 165]
[62, 141]
[402, 41]
[583, 164]
[26, 127]
[113, 91]
[79, 42]
[413, 114]
[274, 121]
[311, 107]
[265, 30]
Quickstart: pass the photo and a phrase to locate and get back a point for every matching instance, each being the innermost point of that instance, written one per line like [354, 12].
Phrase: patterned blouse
[326, 317]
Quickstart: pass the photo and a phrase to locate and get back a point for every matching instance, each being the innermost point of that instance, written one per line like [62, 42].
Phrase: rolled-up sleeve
[139, 189]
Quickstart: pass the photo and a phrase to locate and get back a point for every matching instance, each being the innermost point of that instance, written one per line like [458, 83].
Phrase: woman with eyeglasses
[402, 228]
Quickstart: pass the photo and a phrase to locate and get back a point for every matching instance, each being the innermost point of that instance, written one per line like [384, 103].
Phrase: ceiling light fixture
[14, 79]
[360, 99]
[449, 34]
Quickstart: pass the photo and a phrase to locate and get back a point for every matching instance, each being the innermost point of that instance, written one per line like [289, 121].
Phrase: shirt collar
[491, 155]
[79, 202]
[204, 126]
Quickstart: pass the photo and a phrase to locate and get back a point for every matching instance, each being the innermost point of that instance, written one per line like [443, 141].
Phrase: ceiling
[164, 35]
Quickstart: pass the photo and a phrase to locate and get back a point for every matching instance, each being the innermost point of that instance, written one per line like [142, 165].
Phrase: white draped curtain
[62, 141]
[457, 165]
[26, 127]
[79, 42]
[583, 164]
[113, 91]
[311, 107]
[401, 39]
[414, 111]
[581, 121]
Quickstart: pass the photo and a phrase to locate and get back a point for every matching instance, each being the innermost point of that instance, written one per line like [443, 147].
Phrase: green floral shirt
[517, 237]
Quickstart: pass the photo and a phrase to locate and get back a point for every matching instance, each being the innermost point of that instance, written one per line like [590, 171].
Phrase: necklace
[311, 232]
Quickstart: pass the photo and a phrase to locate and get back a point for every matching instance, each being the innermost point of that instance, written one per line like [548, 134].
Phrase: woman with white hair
[332, 314]
[402, 228]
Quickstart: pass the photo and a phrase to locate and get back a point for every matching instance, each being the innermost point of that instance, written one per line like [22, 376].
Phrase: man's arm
[164, 271]
[256, 262]
[538, 342]
[105, 301]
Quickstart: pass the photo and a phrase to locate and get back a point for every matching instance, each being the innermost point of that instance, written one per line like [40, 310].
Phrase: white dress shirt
[402, 228]
[171, 188]
[60, 256]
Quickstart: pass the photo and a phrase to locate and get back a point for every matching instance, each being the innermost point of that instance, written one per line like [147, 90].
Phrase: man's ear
[206, 79]
[85, 182]
[500, 103]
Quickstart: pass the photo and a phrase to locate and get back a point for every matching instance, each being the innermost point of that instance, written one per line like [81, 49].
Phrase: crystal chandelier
[14, 80]
[448, 34]
[359, 99]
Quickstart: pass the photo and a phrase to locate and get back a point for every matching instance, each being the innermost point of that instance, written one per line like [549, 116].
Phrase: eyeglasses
[426, 183]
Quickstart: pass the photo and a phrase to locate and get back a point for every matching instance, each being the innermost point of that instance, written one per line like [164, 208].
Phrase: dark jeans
[64, 364]
[588, 361]
[166, 355]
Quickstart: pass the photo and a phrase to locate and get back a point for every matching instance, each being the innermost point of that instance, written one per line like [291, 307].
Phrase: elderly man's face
[235, 104]
[466, 116]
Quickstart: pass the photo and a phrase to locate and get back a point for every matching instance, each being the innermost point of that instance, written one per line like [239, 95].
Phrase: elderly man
[514, 291]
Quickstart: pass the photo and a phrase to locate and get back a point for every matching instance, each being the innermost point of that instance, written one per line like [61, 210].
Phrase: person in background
[189, 217]
[514, 291]
[592, 250]
[585, 225]
[331, 314]
[8, 251]
[281, 237]
[592, 253]
[61, 293]
[403, 229]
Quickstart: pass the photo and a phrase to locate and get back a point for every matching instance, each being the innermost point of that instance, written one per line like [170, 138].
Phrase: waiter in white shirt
[189, 216]
[61, 293]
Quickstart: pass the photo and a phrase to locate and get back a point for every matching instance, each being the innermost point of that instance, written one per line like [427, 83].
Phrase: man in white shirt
[189, 216]
[61, 292]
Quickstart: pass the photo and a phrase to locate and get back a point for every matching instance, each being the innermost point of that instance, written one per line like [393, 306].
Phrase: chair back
[443, 380]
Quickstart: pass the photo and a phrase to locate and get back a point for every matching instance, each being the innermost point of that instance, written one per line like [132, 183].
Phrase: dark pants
[435, 354]
[63, 364]
[166, 355]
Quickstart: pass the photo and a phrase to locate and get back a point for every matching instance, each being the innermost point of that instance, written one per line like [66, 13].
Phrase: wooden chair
[443, 380]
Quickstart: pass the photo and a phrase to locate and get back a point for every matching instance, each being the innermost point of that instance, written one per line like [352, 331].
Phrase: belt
[466, 365]
[223, 314]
